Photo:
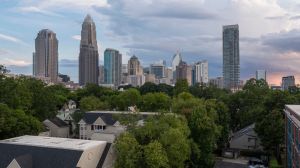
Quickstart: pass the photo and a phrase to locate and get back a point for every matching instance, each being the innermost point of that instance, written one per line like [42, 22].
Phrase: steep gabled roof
[58, 122]
[91, 117]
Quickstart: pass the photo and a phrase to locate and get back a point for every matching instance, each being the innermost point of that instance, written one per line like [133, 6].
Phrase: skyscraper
[134, 66]
[112, 67]
[288, 82]
[231, 56]
[158, 70]
[88, 56]
[45, 58]
[200, 72]
[184, 71]
[175, 62]
[261, 74]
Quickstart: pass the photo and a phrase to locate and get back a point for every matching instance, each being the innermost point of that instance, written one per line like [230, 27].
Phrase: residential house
[57, 127]
[245, 139]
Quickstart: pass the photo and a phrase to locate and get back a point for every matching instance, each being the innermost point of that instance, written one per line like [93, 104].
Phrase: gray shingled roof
[91, 117]
[58, 122]
[39, 156]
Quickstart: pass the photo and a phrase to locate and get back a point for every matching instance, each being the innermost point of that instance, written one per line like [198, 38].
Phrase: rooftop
[52, 142]
[294, 108]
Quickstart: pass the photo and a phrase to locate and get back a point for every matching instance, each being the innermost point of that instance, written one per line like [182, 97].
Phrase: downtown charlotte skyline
[155, 29]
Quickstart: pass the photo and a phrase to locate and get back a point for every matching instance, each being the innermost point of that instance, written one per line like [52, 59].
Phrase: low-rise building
[103, 125]
[245, 139]
[57, 127]
[50, 152]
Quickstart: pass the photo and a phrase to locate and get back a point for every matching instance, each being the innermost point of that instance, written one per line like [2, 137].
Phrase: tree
[148, 87]
[185, 103]
[204, 132]
[130, 97]
[177, 147]
[155, 155]
[91, 103]
[181, 86]
[128, 151]
[270, 129]
[15, 123]
[155, 102]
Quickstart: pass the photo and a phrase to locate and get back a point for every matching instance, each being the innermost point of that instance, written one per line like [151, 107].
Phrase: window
[92, 127]
[104, 127]
[99, 127]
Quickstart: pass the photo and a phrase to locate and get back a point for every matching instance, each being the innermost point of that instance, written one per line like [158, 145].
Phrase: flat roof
[124, 112]
[53, 142]
[294, 108]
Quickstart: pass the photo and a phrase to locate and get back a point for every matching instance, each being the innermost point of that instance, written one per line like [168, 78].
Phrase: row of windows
[98, 127]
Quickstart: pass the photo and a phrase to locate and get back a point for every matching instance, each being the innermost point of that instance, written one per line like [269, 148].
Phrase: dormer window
[98, 127]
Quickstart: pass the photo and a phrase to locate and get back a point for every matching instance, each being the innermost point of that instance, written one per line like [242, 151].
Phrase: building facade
[101, 74]
[45, 57]
[218, 82]
[158, 70]
[292, 135]
[200, 73]
[231, 57]
[175, 62]
[112, 67]
[134, 66]
[261, 74]
[288, 82]
[184, 71]
[88, 56]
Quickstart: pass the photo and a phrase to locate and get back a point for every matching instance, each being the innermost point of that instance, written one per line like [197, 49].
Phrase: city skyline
[198, 37]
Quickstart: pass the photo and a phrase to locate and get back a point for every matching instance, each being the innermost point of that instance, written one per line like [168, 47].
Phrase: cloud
[34, 9]
[76, 37]
[68, 63]
[9, 38]
[284, 41]
[14, 62]
[297, 17]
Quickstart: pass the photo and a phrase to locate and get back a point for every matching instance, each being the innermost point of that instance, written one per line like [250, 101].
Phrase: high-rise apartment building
[231, 57]
[112, 67]
[292, 135]
[287, 82]
[261, 74]
[134, 66]
[200, 72]
[88, 56]
[45, 58]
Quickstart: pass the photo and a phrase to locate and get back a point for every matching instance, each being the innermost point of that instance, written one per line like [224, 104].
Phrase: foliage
[155, 155]
[167, 135]
[128, 151]
[155, 102]
[150, 87]
[181, 86]
[130, 97]
[15, 123]
[92, 103]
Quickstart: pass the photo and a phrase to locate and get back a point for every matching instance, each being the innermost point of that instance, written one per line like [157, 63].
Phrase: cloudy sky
[156, 29]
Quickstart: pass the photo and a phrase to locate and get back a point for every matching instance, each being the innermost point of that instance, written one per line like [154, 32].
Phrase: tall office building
[134, 66]
[261, 74]
[231, 57]
[158, 70]
[200, 72]
[45, 58]
[112, 67]
[184, 71]
[101, 74]
[88, 56]
[175, 62]
[288, 82]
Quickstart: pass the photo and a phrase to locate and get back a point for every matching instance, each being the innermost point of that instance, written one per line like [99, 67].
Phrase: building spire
[88, 18]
